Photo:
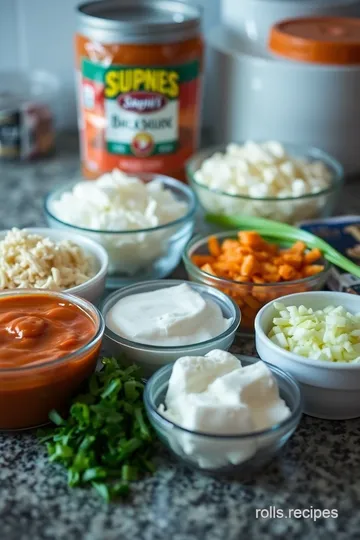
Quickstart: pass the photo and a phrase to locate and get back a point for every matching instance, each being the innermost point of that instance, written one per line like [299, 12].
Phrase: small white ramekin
[330, 390]
[93, 289]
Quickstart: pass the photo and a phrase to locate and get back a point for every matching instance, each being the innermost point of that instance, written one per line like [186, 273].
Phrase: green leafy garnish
[106, 441]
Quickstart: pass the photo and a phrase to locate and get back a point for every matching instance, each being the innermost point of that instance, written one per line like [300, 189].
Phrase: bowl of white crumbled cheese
[315, 336]
[222, 413]
[270, 180]
[143, 222]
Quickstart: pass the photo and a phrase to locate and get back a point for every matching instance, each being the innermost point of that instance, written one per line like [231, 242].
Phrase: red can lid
[324, 40]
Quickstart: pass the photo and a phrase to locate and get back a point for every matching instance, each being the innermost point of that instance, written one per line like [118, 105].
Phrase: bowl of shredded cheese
[42, 258]
[286, 183]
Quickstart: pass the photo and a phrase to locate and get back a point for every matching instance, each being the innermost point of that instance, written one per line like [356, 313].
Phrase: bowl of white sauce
[223, 414]
[156, 322]
[143, 222]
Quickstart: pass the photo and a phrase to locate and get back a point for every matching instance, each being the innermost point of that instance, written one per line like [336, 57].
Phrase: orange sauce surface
[142, 153]
[36, 333]
[37, 329]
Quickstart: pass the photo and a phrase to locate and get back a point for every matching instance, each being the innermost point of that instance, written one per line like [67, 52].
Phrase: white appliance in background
[252, 19]
[257, 95]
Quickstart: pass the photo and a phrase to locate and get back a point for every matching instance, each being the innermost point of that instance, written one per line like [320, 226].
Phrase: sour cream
[173, 316]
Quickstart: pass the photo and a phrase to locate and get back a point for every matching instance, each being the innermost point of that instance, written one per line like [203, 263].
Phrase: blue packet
[343, 233]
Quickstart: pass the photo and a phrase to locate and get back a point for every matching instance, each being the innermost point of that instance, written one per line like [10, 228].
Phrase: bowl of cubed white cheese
[271, 180]
[315, 336]
[223, 414]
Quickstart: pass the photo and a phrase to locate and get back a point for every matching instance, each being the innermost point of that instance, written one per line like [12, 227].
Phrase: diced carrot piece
[251, 238]
[249, 265]
[229, 244]
[228, 267]
[235, 254]
[242, 278]
[208, 269]
[200, 260]
[294, 259]
[252, 302]
[272, 278]
[269, 268]
[312, 269]
[298, 247]
[312, 256]
[263, 255]
[214, 246]
[258, 279]
[287, 272]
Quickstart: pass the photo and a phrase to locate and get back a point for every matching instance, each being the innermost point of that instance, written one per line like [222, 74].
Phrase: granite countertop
[318, 468]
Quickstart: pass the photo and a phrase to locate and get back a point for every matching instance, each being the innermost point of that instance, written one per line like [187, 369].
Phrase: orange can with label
[139, 70]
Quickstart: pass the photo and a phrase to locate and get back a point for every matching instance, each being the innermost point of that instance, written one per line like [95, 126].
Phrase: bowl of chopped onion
[315, 336]
[57, 260]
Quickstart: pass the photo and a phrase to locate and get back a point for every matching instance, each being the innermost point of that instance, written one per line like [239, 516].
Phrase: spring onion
[106, 441]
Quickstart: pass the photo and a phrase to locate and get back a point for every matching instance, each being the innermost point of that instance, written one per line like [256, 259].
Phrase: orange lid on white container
[323, 40]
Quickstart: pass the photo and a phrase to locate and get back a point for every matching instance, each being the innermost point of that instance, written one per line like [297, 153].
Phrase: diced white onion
[330, 334]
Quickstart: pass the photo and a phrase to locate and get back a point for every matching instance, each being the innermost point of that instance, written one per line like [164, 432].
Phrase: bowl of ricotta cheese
[156, 322]
[143, 222]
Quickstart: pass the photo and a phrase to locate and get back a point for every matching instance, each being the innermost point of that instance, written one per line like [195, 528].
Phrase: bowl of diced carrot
[253, 270]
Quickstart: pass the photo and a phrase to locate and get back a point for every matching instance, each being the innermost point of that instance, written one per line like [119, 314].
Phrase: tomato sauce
[139, 86]
[43, 354]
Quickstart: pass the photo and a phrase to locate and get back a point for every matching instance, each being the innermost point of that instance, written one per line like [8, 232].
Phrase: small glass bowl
[138, 255]
[223, 454]
[250, 297]
[288, 210]
[30, 392]
[152, 357]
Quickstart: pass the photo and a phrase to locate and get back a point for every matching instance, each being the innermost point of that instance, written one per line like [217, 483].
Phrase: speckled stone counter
[318, 468]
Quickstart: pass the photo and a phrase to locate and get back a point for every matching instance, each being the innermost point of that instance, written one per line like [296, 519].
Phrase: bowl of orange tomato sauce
[49, 344]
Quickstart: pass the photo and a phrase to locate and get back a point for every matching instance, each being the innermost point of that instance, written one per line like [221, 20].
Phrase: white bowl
[153, 357]
[330, 390]
[93, 289]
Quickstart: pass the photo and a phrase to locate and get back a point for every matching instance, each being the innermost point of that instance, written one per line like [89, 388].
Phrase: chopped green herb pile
[106, 441]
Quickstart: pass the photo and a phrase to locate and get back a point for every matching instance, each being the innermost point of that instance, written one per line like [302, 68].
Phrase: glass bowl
[152, 357]
[288, 209]
[250, 297]
[138, 255]
[223, 454]
[30, 392]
